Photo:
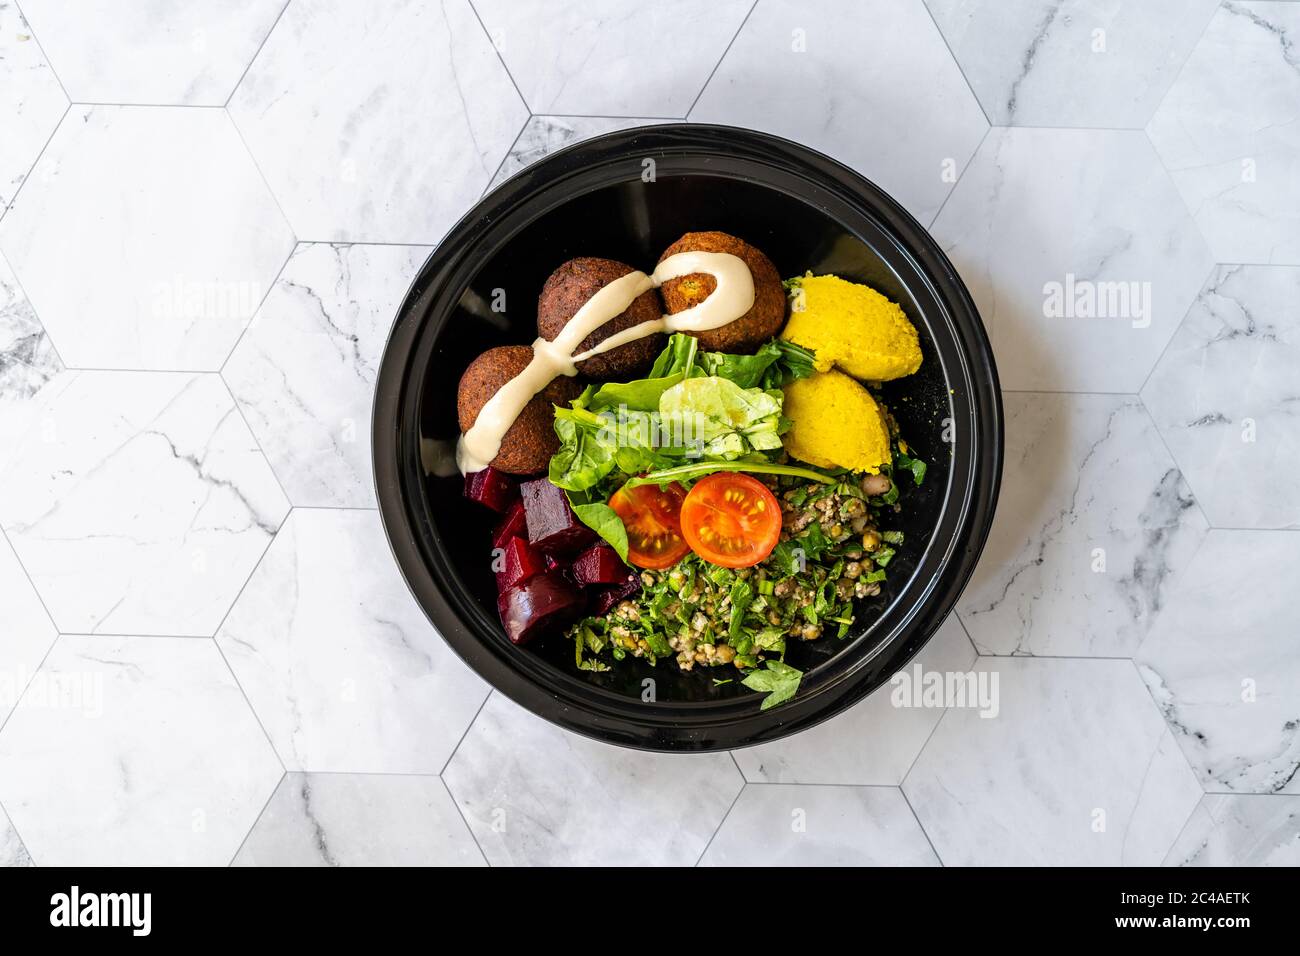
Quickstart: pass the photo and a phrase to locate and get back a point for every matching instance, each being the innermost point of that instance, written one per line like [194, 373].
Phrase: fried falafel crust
[530, 442]
[760, 323]
[568, 289]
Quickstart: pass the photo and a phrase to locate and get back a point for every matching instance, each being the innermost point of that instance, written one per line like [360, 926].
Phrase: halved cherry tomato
[653, 522]
[731, 519]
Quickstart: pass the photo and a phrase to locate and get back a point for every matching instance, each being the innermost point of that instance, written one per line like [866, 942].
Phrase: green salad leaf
[719, 419]
[779, 682]
[604, 520]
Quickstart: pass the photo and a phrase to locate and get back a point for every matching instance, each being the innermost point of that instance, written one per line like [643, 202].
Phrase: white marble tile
[543, 135]
[1221, 662]
[1229, 132]
[874, 742]
[304, 371]
[334, 819]
[870, 83]
[377, 122]
[537, 795]
[820, 826]
[138, 501]
[1092, 520]
[31, 101]
[1240, 830]
[12, 851]
[1076, 769]
[615, 58]
[1079, 253]
[26, 631]
[1071, 63]
[1224, 396]
[134, 751]
[339, 662]
[145, 238]
[27, 358]
[181, 52]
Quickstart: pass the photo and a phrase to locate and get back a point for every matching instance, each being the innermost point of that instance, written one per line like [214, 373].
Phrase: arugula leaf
[699, 469]
[914, 465]
[779, 681]
[604, 520]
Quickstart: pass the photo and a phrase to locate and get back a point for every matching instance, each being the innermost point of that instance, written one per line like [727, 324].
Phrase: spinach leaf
[604, 520]
[586, 454]
[678, 357]
[779, 681]
[641, 395]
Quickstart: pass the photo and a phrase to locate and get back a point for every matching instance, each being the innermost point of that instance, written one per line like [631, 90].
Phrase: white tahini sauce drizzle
[733, 297]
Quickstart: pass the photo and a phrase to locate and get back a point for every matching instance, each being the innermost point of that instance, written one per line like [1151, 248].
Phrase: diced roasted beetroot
[541, 604]
[599, 564]
[493, 488]
[552, 525]
[519, 561]
[512, 525]
[606, 598]
[553, 563]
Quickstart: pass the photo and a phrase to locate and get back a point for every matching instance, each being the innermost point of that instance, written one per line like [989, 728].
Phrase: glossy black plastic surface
[627, 196]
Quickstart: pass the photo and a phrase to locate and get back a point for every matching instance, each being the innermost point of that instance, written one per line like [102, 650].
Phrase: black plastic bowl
[627, 196]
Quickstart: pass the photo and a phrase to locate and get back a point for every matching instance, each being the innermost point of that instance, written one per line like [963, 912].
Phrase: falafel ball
[760, 323]
[530, 442]
[568, 289]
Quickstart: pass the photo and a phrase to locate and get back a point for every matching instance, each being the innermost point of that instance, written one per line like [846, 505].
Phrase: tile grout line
[284, 769]
[509, 149]
[248, 151]
[727, 49]
[1182, 472]
[256, 53]
[469, 829]
[468, 728]
[921, 826]
[957, 182]
[500, 59]
[4, 815]
[48, 62]
[260, 450]
[957, 63]
[722, 822]
[258, 819]
[256, 312]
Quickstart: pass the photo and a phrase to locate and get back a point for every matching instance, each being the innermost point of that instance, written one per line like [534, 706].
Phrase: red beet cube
[552, 525]
[599, 564]
[606, 598]
[493, 488]
[511, 526]
[542, 604]
[517, 562]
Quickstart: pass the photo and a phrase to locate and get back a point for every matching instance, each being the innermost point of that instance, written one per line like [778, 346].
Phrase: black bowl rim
[567, 701]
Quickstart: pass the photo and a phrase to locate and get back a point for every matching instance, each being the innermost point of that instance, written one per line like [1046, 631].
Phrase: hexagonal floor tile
[1093, 518]
[12, 851]
[1240, 830]
[1229, 132]
[1072, 63]
[304, 371]
[138, 501]
[545, 134]
[1071, 308]
[619, 58]
[538, 795]
[27, 629]
[901, 114]
[335, 819]
[189, 53]
[31, 101]
[342, 667]
[27, 358]
[820, 826]
[377, 122]
[875, 742]
[134, 751]
[1221, 662]
[1076, 769]
[145, 238]
[1222, 392]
